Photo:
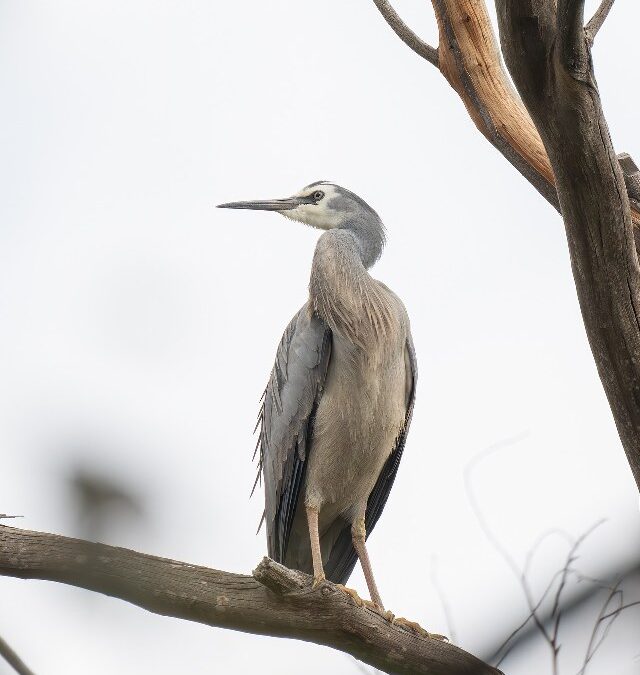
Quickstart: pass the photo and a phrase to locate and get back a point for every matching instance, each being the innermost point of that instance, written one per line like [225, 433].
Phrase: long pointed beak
[266, 205]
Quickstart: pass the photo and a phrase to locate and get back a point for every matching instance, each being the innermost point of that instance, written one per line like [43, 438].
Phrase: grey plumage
[338, 404]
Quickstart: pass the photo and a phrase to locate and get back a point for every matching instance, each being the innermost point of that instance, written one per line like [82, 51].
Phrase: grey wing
[343, 558]
[288, 409]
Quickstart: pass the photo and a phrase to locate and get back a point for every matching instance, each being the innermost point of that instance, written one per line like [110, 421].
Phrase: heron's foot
[415, 627]
[354, 595]
[318, 580]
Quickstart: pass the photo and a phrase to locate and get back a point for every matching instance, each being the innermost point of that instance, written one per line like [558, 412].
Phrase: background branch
[274, 601]
[599, 17]
[406, 34]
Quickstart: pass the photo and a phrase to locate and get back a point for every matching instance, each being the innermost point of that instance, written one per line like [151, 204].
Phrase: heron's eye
[318, 195]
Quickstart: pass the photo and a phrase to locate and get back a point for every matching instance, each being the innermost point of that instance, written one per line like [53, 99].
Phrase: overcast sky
[139, 323]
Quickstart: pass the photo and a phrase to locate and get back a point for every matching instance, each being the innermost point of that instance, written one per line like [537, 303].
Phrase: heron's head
[322, 205]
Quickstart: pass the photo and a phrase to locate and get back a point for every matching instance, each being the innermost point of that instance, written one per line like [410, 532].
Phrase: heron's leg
[314, 536]
[358, 534]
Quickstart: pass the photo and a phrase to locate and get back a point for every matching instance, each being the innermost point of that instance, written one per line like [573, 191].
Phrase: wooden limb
[274, 601]
[599, 17]
[551, 65]
[13, 659]
[469, 58]
[405, 33]
[470, 61]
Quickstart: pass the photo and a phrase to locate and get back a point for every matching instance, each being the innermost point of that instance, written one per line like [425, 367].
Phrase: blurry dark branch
[13, 659]
[273, 601]
[599, 17]
[406, 34]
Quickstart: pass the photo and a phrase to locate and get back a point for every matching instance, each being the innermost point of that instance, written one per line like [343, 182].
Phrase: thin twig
[405, 33]
[596, 21]
[593, 646]
[13, 659]
[443, 600]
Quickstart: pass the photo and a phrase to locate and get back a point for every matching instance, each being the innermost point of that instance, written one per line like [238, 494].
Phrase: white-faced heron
[338, 404]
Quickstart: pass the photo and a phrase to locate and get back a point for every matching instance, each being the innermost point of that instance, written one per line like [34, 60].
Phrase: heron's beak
[266, 205]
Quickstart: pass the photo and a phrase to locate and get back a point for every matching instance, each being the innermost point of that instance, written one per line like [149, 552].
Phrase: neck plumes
[341, 290]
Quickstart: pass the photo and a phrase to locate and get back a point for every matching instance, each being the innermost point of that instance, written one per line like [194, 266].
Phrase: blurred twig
[547, 624]
[443, 600]
[13, 659]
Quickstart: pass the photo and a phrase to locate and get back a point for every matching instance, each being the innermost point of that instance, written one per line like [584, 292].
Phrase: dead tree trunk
[556, 136]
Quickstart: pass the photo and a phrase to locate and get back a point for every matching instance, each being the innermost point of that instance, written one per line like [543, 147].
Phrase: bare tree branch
[405, 33]
[599, 17]
[274, 601]
[469, 59]
[13, 659]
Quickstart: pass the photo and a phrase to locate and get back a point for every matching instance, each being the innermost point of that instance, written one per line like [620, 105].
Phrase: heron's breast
[359, 417]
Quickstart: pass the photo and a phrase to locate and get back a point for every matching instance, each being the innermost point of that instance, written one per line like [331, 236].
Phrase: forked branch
[273, 601]
[469, 58]
[599, 17]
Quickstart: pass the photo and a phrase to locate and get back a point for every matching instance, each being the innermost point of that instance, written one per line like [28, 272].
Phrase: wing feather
[288, 408]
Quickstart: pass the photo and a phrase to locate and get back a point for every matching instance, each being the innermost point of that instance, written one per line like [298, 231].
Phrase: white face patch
[318, 215]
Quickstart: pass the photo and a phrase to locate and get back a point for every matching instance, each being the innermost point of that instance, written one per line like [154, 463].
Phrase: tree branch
[274, 601]
[405, 33]
[561, 94]
[596, 21]
[469, 59]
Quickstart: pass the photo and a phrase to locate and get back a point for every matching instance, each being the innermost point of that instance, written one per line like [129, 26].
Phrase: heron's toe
[415, 627]
[354, 595]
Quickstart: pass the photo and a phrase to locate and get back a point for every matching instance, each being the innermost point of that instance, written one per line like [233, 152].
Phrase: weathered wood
[274, 601]
[631, 175]
[548, 55]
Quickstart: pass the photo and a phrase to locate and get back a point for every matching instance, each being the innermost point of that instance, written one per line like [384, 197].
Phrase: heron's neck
[368, 234]
[341, 290]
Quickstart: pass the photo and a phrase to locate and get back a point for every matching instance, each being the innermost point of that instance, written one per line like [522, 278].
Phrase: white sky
[139, 323]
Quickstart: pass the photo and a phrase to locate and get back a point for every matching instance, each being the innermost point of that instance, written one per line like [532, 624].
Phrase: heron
[337, 407]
